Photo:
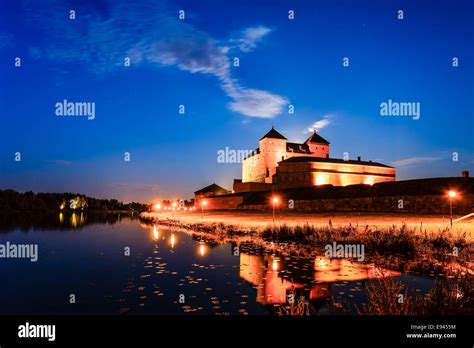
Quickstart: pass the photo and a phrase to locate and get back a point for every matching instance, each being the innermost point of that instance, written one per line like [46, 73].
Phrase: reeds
[298, 307]
[409, 242]
[394, 240]
[452, 294]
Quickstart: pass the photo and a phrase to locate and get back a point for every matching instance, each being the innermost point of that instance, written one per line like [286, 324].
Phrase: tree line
[11, 201]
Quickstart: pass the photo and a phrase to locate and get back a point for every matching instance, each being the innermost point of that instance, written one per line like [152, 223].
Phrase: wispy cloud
[104, 38]
[414, 160]
[250, 37]
[318, 125]
[253, 102]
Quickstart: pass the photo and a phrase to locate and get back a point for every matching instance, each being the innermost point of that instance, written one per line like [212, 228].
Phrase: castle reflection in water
[274, 278]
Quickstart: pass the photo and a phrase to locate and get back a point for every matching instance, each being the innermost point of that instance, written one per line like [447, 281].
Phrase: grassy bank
[433, 246]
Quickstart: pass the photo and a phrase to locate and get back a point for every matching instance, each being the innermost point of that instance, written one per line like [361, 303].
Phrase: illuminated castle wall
[290, 165]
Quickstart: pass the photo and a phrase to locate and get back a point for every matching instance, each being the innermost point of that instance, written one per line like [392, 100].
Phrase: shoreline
[429, 246]
[68, 211]
[257, 220]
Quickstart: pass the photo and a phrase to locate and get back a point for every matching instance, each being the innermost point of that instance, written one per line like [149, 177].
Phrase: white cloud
[253, 102]
[250, 37]
[101, 43]
[318, 125]
[414, 160]
[258, 103]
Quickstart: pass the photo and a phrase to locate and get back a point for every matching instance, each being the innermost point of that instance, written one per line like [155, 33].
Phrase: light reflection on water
[165, 264]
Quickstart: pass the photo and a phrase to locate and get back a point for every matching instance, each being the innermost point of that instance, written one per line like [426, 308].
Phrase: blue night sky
[282, 62]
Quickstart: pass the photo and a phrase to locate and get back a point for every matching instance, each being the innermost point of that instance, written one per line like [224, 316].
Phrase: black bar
[291, 331]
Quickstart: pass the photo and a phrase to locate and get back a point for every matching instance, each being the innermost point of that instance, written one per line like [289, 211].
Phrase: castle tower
[273, 150]
[318, 145]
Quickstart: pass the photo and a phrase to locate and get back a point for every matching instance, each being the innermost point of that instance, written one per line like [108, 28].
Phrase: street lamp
[275, 201]
[172, 210]
[451, 195]
[158, 207]
[203, 203]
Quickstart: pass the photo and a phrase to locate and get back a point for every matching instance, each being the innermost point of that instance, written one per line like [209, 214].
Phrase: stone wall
[428, 204]
[308, 174]
[225, 202]
[251, 186]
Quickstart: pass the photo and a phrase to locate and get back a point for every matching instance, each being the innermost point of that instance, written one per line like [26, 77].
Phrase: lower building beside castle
[285, 164]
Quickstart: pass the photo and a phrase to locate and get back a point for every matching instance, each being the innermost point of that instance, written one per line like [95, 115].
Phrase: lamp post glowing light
[275, 201]
[203, 203]
[172, 209]
[158, 208]
[451, 195]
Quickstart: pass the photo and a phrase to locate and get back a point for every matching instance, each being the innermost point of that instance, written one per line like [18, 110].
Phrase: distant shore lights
[157, 207]
[173, 209]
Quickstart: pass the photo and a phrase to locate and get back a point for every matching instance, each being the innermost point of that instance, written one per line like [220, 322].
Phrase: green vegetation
[434, 246]
[396, 240]
[452, 294]
[12, 201]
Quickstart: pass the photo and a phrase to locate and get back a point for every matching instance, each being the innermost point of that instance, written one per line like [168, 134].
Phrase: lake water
[167, 272]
